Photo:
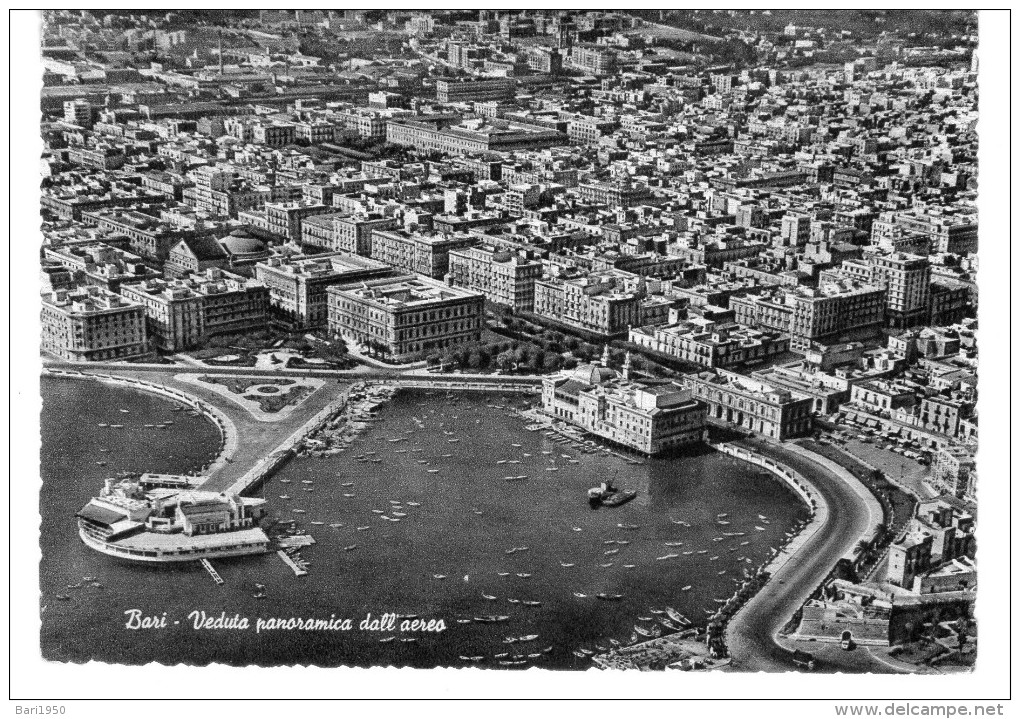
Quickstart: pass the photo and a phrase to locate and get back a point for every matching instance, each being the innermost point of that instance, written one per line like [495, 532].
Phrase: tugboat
[606, 495]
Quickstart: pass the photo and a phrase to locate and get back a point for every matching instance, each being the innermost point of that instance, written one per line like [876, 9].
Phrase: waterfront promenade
[251, 443]
[752, 634]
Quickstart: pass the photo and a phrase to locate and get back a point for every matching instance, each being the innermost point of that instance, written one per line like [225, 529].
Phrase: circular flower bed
[268, 389]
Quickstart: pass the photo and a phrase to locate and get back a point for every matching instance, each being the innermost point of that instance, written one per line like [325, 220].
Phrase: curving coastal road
[751, 634]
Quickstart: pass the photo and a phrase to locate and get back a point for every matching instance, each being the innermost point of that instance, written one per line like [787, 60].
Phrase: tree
[505, 360]
[475, 360]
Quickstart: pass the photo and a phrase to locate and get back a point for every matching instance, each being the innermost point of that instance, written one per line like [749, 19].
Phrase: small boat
[667, 556]
[611, 551]
[344, 484]
[579, 655]
[488, 596]
[378, 511]
[350, 547]
[531, 603]
[760, 529]
[103, 424]
[642, 631]
[260, 595]
[523, 575]
[63, 597]
[721, 522]
[413, 504]
[463, 621]
[576, 529]
[284, 496]
[298, 511]
[126, 411]
[472, 659]
[399, 514]
[116, 426]
[566, 564]
[580, 596]
[722, 514]
[285, 481]
[439, 576]
[503, 574]
[609, 564]
[627, 526]
[686, 589]
[674, 544]
[362, 529]
[318, 524]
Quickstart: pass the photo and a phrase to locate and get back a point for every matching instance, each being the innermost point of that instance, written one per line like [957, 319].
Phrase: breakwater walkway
[254, 448]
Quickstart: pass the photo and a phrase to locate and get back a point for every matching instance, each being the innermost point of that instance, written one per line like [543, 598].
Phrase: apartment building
[297, 285]
[504, 277]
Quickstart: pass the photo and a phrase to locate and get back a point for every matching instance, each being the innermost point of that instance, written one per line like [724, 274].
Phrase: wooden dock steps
[298, 571]
[212, 571]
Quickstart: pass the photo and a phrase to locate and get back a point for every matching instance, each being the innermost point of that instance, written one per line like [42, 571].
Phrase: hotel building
[90, 324]
[182, 313]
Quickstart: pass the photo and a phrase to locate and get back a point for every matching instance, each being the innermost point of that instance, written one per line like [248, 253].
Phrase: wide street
[751, 634]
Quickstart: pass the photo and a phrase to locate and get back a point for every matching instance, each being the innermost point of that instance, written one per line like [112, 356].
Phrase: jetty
[212, 571]
[298, 571]
[300, 540]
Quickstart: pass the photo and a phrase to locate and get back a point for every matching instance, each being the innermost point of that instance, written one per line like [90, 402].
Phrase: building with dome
[242, 248]
[649, 416]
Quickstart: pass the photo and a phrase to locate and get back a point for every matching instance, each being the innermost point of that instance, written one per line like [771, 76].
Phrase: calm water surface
[443, 558]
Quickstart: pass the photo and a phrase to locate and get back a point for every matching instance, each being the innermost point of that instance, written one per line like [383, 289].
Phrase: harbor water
[416, 517]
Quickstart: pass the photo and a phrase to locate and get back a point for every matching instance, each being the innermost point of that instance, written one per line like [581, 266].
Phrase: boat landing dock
[212, 571]
[298, 571]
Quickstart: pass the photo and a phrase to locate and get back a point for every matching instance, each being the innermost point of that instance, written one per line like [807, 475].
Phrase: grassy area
[273, 403]
[240, 385]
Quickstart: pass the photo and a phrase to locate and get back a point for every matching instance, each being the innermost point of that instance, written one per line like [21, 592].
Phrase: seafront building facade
[92, 324]
[649, 416]
[181, 314]
[405, 316]
[711, 344]
[752, 404]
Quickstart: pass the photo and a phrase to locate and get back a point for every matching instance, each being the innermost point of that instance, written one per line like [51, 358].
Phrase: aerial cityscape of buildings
[680, 224]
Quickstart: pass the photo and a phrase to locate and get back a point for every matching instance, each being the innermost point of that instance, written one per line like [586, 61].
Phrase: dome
[240, 242]
[594, 374]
